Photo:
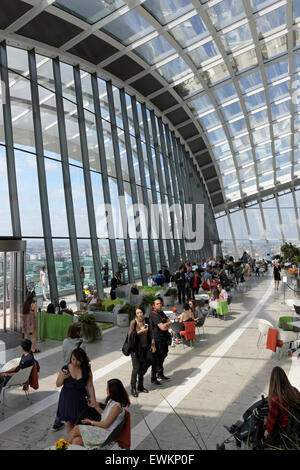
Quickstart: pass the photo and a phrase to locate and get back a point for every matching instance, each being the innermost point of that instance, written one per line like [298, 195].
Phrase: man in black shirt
[180, 282]
[114, 283]
[27, 360]
[159, 325]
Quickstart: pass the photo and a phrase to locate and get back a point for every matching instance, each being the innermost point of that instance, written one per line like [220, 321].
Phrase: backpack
[290, 435]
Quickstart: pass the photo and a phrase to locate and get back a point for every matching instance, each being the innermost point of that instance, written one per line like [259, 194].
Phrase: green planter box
[54, 326]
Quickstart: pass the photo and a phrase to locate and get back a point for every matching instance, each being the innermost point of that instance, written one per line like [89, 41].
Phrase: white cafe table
[213, 304]
[201, 296]
[296, 323]
[291, 302]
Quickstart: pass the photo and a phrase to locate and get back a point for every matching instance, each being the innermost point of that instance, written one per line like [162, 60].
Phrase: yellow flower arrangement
[62, 444]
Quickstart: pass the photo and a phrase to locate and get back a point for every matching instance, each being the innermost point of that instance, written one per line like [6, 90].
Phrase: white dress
[93, 436]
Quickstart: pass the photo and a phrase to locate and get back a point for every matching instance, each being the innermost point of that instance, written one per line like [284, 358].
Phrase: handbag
[126, 350]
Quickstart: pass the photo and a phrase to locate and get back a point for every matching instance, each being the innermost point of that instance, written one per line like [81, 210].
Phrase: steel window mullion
[280, 218]
[296, 214]
[263, 222]
[143, 180]
[172, 172]
[87, 182]
[180, 190]
[232, 234]
[151, 171]
[42, 181]
[10, 156]
[103, 164]
[161, 184]
[115, 141]
[134, 196]
[187, 197]
[249, 232]
[67, 178]
[168, 189]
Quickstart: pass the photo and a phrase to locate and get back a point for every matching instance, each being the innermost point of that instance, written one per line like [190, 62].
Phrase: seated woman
[198, 314]
[283, 398]
[134, 289]
[93, 302]
[177, 326]
[92, 434]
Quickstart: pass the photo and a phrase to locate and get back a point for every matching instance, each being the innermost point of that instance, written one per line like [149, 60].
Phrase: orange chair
[189, 332]
[124, 439]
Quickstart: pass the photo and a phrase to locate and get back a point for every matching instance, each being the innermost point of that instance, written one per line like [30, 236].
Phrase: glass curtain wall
[71, 176]
[262, 226]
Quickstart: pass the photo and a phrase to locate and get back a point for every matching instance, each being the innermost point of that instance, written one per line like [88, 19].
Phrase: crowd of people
[90, 423]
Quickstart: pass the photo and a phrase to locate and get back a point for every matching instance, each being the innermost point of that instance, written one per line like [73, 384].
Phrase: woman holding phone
[140, 343]
[75, 377]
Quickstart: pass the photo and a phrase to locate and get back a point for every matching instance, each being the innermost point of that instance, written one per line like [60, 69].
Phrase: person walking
[276, 274]
[196, 282]
[105, 270]
[29, 313]
[161, 339]
[82, 276]
[189, 277]
[114, 283]
[140, 343]
[44, 281]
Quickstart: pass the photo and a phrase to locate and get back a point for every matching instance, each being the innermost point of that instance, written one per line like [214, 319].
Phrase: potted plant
[90, 329]
[147, 302]
[125, 314]
[169, 296]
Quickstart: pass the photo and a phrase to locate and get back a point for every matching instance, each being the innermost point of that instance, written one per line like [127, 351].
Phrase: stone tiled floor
[207, 395]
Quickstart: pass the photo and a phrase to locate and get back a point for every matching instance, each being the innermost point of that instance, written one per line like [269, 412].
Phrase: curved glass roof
[225, 73]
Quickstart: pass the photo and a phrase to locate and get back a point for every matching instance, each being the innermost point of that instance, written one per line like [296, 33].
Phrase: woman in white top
[43, 280]
[94, 433]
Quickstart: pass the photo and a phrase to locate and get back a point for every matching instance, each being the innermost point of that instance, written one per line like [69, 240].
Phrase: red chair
[124, 439]
[189, 332]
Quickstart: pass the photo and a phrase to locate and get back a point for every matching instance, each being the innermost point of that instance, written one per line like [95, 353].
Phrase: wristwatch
[92, 423]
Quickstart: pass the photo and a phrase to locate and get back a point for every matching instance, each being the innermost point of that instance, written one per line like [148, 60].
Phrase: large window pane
[21, 112]
[28, 194]
[49, 123]
[5, 218]
[286, 204]
[272, 220]
[105, 257]
[56, 198]
[79, 202]
[135, 259]
[63, 265]
[92, 141]
[35, 259]
[72, 133]
[86, 261]
[97, 188]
